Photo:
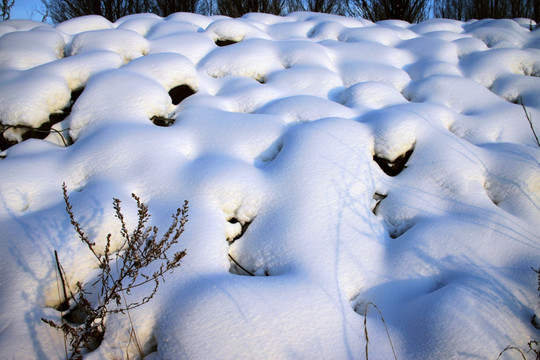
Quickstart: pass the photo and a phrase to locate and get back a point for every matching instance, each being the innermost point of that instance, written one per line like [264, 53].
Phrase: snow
[340, 161]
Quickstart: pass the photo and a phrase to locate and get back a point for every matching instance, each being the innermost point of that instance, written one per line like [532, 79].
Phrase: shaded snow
[342, 162]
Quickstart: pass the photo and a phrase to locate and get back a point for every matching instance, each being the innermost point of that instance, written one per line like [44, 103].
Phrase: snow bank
[339, 161]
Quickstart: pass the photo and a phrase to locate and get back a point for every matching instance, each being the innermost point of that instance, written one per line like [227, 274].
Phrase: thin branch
[240, 266]
[528, 116]
[509, 347]
[385, 327]
[59, 267]
[30, 128]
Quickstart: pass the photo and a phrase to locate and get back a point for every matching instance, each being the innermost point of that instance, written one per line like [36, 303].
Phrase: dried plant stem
[240, 266]
[132, 333]
[30, 128]
[509, 347]
[528, 116]
[140, 249]
[64, 304]
[59, 296]
[385, 327]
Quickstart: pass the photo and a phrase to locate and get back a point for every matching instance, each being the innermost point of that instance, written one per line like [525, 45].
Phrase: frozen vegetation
[338, 161]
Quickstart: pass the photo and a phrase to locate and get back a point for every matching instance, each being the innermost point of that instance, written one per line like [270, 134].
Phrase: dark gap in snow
[75, 95]
[45, 129]
[534, 322]
[397, 231]
[396, 166]
[63, 306]
[407, 95]
[245, 226]
[225, 42]
[438, 285]
[55, 118]
[493, 197]
[513, 99]
[5, 143]
[151, 347]
[358, 303]
[75, 315]
[237, 267]
[270, 154]
[162, 121]
[179, 93]
[378, 198]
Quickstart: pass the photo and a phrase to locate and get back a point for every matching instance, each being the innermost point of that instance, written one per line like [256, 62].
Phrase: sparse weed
[533, 345]
[122, 271]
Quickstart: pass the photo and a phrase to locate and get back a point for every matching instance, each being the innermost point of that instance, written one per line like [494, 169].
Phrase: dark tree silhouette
[166, 7]
[235, 8]
[482, 9]
[322, 6]
[450, 9]
[6, 6]
[375, 10]
[61, 10]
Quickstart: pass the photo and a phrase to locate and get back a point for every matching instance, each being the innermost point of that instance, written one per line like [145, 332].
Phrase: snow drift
[339, 161]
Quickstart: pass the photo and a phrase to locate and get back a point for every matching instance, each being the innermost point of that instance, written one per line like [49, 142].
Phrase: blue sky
[26, 9]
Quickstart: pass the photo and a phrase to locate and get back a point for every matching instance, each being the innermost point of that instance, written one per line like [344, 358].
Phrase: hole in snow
[397, 230]
[162, 121]
[239, 229]
[225, 42]
[393, 167]
[60, 116]
[76, 314]
[5, 143]
[437, 286]
[530, 71]
[534, 322]
[238, 263]
[179, 93]
[492, 192]
[378, 198]
[152, 346]
[270, 154]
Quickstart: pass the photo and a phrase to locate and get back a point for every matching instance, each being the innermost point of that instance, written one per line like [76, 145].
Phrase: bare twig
[132, 333]
[30, 128]
[510, 347]
[528, 116]
[62, 302]
[240, 266]
[385, 327]
[64, 305]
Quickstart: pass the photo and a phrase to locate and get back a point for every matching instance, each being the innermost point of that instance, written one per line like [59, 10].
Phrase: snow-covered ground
[287, 154]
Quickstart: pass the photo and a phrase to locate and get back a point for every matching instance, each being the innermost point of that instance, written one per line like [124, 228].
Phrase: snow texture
[340, 161]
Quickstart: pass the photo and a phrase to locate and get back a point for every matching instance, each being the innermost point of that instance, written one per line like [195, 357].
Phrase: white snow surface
[281, 134]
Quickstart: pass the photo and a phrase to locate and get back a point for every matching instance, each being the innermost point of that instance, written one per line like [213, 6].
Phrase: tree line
[374, 10]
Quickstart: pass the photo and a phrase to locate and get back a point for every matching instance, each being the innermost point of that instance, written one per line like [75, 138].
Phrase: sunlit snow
[339, 161]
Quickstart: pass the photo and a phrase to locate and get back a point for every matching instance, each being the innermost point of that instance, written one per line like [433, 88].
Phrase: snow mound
[339, 161]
